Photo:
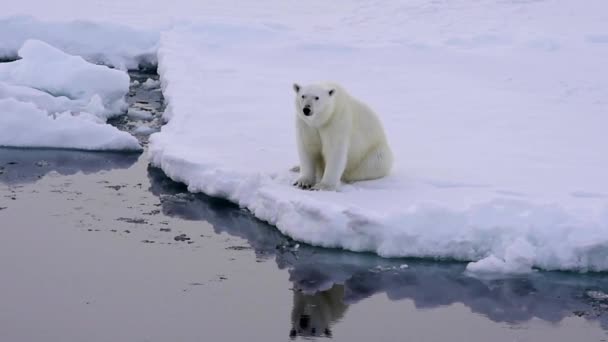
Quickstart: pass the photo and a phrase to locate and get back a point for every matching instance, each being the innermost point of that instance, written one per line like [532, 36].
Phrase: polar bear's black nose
[304, 321]
[306, 111]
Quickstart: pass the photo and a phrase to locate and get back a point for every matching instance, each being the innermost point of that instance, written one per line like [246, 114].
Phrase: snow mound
[494, 139]
[110, 44]
[52, 99]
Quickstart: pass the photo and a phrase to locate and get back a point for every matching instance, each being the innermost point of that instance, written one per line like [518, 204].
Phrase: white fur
[313, 315]
[341, 139]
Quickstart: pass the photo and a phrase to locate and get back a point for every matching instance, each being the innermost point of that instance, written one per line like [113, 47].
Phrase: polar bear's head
[315, 103]
[312, 315]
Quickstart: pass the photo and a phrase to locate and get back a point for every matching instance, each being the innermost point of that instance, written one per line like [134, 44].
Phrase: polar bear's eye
[303, 96]
[317, 98]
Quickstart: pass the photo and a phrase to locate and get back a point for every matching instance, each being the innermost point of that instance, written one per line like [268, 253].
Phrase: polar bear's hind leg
[376, 164]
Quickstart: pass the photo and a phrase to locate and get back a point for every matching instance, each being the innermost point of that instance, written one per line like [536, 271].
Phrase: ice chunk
[49, 69]
[25, 125]
[151, 84]
[598, 295]
[144, 130]
[139, 114]
[51, 99]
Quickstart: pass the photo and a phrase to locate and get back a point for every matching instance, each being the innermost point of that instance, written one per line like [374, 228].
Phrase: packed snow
[495, 111]
[51, 99]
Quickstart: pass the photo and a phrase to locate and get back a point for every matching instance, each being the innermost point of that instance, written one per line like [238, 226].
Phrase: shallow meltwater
[104, 247]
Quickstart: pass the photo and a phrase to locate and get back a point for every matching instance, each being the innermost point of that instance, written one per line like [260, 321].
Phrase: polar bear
[312, 315]
[339, 138]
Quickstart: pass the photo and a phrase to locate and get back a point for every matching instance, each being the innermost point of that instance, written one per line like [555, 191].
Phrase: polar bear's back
[366, 125]
[369, 154]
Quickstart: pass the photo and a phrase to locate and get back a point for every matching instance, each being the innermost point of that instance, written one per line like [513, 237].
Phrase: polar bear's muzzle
[307, 111]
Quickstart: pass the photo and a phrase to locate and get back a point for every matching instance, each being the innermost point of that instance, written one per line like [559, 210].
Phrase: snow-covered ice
[496, 113]
[494, 127]
[52, 99]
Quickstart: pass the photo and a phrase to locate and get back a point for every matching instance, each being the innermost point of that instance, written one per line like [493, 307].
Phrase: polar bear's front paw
[304, 183]
[324, 187]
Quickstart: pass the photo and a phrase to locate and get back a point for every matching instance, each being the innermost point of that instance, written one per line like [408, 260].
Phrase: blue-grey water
[104, 247]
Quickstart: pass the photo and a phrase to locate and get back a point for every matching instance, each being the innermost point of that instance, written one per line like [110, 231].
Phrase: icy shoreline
[498, 135]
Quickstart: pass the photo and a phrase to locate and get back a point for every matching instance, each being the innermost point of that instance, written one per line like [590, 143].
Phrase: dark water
[103, 247]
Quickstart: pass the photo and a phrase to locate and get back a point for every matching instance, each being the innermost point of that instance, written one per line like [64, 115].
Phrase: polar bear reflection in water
[314, 314]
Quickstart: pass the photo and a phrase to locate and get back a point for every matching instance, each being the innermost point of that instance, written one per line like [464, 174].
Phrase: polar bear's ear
[331, 92]
[296, 87]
